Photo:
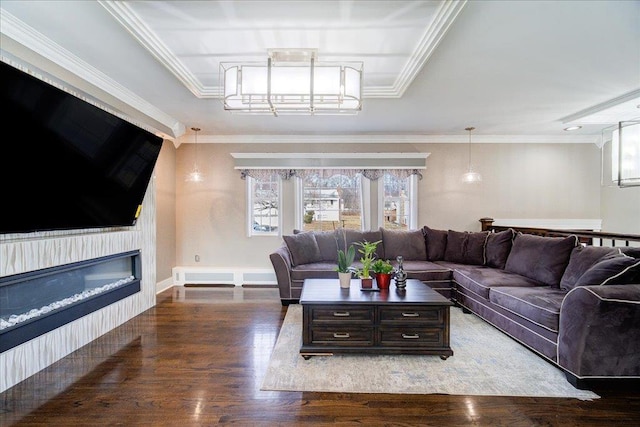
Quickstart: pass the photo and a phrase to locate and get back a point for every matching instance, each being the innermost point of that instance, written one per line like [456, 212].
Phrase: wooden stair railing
[587, 237]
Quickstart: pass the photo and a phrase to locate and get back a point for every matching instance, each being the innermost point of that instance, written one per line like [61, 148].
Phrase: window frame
[412, 190]
[250, 197]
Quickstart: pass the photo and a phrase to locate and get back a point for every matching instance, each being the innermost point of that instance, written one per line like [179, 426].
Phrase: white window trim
[249, 213]
[413, 196]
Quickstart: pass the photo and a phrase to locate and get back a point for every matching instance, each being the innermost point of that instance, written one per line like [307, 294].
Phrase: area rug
[485, 362]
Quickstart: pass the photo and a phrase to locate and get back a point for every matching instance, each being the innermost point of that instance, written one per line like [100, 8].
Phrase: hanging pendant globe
[471, 177]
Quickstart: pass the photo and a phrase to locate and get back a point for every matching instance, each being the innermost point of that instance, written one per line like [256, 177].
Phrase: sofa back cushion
[303, 248]
[497, 248]
[410, 244]
[436, 241]
[540, 258]
[466, 247]
[582, 258]
[328, 245]
[617, 270]
[353, 236]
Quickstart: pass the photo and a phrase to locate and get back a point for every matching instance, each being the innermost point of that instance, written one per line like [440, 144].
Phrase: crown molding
[52, 58]
[445, 16]
[391, 139]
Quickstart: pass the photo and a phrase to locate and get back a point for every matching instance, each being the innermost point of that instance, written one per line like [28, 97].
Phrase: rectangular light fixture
[292, 82]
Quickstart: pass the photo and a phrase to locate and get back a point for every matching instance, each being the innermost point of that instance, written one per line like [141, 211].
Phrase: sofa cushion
[582, 258]
[539, 305]
[540, 258]
[317, 270]
[480, 279]
[354, 236]
[436, 241]
[327, 243]
[410, 244]
[620, 270]
[497, 248]
[303, 248]
[425, 271]
[465, 247]
[631, 251]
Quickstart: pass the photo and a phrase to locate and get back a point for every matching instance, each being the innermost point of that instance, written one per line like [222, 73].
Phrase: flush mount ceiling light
[470, 177]
[292, 82]
[195, 175]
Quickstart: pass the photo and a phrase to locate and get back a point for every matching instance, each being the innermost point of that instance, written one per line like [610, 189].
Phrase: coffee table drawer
[412, 315]
[343, 336]
[408, 337]
[342, 314]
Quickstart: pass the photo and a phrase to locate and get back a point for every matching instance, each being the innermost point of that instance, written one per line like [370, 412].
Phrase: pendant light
[195, 175]
[470, 177]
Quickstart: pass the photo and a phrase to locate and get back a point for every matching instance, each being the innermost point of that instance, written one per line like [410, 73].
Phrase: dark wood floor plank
[197, 360]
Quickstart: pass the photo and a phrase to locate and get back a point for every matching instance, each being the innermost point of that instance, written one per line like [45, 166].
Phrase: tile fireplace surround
[35, 251]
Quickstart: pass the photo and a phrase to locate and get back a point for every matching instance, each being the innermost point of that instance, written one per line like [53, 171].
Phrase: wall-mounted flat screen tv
[70, 164]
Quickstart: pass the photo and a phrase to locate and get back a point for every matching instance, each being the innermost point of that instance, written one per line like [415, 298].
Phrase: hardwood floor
[198, 357]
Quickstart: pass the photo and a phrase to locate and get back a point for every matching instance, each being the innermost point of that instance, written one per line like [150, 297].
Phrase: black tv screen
[70, 164]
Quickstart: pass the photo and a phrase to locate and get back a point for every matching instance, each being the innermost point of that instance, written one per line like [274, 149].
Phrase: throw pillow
[436, 241]
[581, 259]
[620, 270]
[540, 258]
[303, 248]
[631, 251]
[465, 247]
[498, 247]
[409, 244]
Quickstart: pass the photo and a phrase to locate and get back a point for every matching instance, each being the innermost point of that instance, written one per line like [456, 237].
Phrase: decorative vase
[345, 280]
[383, 280]
[366, 283]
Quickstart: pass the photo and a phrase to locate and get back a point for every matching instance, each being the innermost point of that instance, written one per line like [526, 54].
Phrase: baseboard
[164, 285]
[223, 276]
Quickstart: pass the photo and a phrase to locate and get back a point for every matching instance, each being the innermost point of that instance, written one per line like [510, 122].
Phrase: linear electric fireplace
[37, 302]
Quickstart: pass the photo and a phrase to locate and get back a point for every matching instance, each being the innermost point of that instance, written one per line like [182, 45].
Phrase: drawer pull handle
[410, 315]
[410, 336]
[341, 335]
[341, 314]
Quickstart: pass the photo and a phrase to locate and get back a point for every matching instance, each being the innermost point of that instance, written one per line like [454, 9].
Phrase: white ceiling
[519, 71]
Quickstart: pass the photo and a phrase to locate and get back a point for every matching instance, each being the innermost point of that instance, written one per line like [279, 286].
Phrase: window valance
[370, 165]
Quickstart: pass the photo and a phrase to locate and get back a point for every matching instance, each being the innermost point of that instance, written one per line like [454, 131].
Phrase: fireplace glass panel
[37, 302]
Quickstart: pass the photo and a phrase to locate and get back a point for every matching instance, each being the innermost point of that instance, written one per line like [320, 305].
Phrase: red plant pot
[383, 280]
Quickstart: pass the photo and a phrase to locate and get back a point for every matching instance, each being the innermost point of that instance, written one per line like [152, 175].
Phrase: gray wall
[529, 181]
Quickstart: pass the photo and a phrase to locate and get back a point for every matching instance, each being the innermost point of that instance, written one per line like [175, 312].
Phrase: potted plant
[344, 268]
[368, 251]
[383, 271]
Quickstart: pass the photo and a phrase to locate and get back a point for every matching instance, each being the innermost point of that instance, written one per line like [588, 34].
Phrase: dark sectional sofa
[577, 306]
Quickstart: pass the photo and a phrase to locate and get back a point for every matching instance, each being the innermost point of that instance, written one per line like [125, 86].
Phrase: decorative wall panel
[34, 251]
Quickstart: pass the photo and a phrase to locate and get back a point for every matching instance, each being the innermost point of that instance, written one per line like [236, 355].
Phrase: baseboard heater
[195, 276]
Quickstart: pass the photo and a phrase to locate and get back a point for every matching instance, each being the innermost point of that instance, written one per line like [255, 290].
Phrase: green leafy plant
[368, 251]
[382, 266]
[345, 259]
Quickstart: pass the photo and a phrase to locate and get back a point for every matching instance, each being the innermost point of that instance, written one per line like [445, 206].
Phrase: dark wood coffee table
[393, 321]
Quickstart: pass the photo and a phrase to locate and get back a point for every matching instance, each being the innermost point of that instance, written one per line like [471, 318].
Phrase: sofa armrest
[599, 333]
[282, 265]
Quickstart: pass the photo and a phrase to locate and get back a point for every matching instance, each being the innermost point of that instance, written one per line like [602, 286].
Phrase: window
[330, 190]
[264, 204]
[398, 199]
[329, 199]
[625, 154]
